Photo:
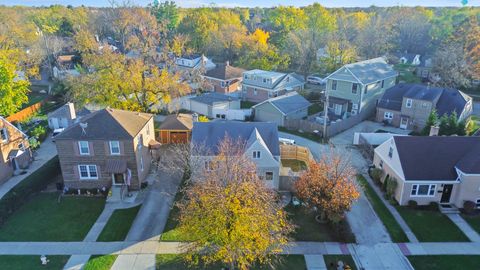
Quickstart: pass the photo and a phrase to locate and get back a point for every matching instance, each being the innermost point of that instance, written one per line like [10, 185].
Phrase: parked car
[315, 79]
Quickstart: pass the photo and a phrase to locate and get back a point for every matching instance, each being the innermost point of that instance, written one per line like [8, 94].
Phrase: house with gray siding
[278, 109]
[107, 148]
[260, 85]
[356, 87]
[208, 103]
[259, 139]
[439, 169]
[408, 106]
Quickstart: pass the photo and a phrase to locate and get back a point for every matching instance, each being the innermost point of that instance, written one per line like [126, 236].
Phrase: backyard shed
[176, 128]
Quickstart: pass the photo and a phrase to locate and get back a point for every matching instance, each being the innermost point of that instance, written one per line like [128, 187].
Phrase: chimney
[227, 63]
[195, 117]
[434, 131]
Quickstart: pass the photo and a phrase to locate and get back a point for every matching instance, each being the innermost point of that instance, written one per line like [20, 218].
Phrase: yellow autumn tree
[230, 215]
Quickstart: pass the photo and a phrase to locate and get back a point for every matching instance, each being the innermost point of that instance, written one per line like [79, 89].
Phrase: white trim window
[255, 91]
[114, 147]
[268, 175]
[423, 190]
[87, 172]
[334, 85]
[477, 203]
[388, 115]
[380, 164]
[83, 148]
[4, 135]
[408, 103]
[256, 154]
[354, 88]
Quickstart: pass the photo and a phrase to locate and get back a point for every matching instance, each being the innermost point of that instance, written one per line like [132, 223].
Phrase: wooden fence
[295, 152]
[25, 113]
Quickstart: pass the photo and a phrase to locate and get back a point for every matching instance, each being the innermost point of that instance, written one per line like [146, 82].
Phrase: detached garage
[176, 129]
[289, 106]
[207, 103]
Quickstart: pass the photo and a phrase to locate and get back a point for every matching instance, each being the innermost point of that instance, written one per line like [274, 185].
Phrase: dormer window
[3, 135]
[83, 148]
[256, 154]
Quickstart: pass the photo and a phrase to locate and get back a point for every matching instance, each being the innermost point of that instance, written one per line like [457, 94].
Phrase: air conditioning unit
[354, 112]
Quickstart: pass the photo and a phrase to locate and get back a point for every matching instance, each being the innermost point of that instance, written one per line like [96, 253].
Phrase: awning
[153, 144]
[116, 166]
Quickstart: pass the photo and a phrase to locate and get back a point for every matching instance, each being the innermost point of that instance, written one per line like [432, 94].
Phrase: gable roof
[287, 103]
[435, 158]
[450, 101]
[213, 97]
[278, 79]
[181, 121]
[210, 134]
[365, 72]
[6, 122]
[107, 124]
[225, 72]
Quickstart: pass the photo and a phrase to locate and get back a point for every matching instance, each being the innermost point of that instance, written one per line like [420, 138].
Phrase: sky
[252, 3]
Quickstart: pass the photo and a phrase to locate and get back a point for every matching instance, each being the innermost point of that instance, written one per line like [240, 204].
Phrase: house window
[383, 83]
[140, 141]
[269, 176]
[83, 148]
[334, 85]
[264, 80]
[477, 203]
[380, 164]
[21, 146]
[423, 190]
[390, 152]
[208, 165]
[365, 91]
[388, 115]
[88, 171]
[114, 147]
[255, 91]
[354, 88]
[147, 131]
[409, 103]
[4, 134]
[256, 154]
[141, 163]
[222, 84]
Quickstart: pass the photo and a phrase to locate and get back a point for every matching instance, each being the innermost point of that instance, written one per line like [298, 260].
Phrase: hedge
[31, 185]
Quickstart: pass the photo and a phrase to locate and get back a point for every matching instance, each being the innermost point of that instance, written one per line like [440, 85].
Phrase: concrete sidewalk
[410, 235]
[464, 227]
[43, 154]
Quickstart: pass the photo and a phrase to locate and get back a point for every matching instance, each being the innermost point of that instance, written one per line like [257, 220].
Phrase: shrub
[376, 175]
[391, 186]
[433, 206]
[32, 184]
[40, 133]
[412, 204]
[469, 207]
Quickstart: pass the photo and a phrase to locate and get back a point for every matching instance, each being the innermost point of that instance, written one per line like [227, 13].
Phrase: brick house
[260, 85]
[225, 78]
[408, 106]
[107, 148]
[15, 153]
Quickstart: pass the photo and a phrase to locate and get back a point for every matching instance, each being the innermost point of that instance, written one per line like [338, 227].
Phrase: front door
[404, 123]
[14, 164]
[118, 178]
[338, 109]
[446, 193]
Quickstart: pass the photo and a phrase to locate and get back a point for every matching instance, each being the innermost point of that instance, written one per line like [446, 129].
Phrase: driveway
[346, 137]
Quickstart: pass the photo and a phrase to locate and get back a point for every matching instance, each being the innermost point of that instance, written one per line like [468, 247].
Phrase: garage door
[178, 137]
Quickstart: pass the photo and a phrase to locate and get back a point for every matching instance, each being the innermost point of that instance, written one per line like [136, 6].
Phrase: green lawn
[431, 226]
[445, 262]
[174, 262]
[246, 104]
[331, 261]
[42, 218]
[100, 262]
[395, 231]
[306, 135]
[171, 232]
[308, 229]
[32, 262]
[295, 165]
[406, 73]
[474, 221]
[118, 225]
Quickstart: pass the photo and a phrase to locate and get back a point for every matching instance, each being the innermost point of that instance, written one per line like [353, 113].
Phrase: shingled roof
[287, 103]
[225, 72]
[107, 124]
[181, 121]
[435, 158]
[365, 72]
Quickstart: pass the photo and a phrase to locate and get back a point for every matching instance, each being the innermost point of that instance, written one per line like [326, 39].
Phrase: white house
[209, 103]
[194, 61]
[261, 145]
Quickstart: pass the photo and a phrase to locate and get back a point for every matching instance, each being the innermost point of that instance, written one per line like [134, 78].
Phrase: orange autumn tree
[328, 186]
[230, 215]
